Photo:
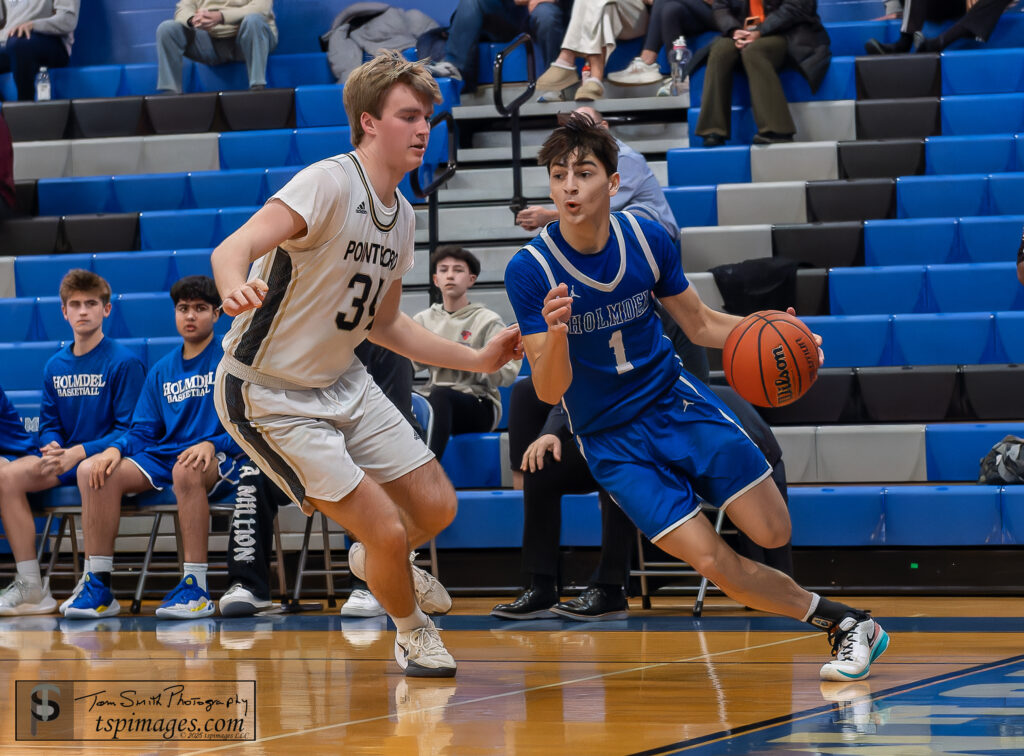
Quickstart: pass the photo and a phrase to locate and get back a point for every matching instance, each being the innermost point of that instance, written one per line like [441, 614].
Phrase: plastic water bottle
[43, 84]
[677, 62]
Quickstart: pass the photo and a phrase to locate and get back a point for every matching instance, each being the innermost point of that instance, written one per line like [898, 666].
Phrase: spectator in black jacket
[763, 37]
[977, 19]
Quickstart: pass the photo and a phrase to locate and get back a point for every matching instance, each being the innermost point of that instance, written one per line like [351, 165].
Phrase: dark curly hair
[579, 135]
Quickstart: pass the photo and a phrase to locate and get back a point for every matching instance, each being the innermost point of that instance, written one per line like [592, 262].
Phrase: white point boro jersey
[324, 287]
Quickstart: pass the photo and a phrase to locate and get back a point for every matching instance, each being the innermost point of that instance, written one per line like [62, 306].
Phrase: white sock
[414, 620]
[29, 572]
[198, 571]
[101, 564]
[88, 568]
[566, 66]
[815, 598]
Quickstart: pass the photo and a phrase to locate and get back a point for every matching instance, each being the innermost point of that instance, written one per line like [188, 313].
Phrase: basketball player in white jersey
[329, 251]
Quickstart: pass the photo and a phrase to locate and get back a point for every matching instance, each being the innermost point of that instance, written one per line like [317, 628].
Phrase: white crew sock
[198, 571]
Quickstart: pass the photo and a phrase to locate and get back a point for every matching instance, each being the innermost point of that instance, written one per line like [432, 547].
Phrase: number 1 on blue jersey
[622, 365]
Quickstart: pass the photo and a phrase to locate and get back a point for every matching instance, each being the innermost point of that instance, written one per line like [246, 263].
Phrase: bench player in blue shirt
[89, 390]
[175, 440]
[655, 437]
[15, 441]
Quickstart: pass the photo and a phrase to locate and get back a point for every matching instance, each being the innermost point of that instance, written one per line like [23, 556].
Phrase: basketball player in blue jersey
[655, 437]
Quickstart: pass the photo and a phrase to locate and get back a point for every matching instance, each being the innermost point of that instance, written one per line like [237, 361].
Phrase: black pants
[457, 412]
[670, 18]
[25, 56]
[252, 530]
[542, 497]
[978, 22]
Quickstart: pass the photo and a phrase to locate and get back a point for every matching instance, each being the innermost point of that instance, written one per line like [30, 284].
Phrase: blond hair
[82, 281]
[367, 86]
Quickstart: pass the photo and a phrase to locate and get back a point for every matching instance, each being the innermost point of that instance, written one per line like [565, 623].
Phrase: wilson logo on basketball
[783, 384]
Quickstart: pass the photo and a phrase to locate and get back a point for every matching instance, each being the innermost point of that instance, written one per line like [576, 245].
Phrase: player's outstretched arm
[272, 224]
[394, 330]
[701, 324]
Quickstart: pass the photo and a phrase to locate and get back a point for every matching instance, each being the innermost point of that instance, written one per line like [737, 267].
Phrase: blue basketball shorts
[158, 467]
[685, 447]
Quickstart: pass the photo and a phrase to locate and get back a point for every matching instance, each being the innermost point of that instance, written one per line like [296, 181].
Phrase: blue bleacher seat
[215, 189]
[74, 196]
[853, 340]
[1010, 336]
[145, 315]
[40, 275]
[129, 272]
[988, 71]
[1011, 502]
[191, 262]
[162, 229]
[150, 191]
[693, 205]
[848, 38]
[974, 287]
[229, 219]
[941, 196]
[17, 319]
[8, 92]
[741, 120]
[138, 347]
[278, 177]
[841, 516]
[987, 239]
[1018, 141]
[300, 69]
[1006, 194]
[50, 321]
[140, 78]
[86, 81]
[954, 450]
[983, 114]
[911, 241]
[699, 167]
[256, 149]
[221, 78]
[473, 460]
[319, 105]
[839, 83]
[942, 515]
[158, 346]
[21, 364]
[868, 291]
[990, 153]
[486, 519]
[514, 67]
[312, 145]
[943, 339]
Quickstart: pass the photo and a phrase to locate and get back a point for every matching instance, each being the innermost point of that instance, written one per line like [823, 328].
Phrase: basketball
[770, 358]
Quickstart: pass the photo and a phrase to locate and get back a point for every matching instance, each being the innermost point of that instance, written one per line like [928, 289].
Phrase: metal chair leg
[698, 605]
[645, 596]
[302, 560]
[140, 584]
[328, 567]
[282, 583]
[433, 558]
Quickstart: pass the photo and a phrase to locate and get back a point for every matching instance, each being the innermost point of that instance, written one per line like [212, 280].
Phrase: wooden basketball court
[661, 682]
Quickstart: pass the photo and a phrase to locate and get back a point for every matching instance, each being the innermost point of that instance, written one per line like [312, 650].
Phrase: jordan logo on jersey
[572, 292]
[361, 208]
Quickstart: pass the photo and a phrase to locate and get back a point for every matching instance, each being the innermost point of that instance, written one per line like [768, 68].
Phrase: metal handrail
[451, 163]
[512, 111]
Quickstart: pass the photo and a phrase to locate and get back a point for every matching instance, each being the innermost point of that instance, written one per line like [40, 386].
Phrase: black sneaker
[770, 137]
[713, 140]
[595, 604]
[533, 603]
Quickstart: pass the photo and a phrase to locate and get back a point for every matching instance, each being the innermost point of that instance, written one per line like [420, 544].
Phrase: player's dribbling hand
[557, 308]
[248, 296]
[506, 345]
[817, 338]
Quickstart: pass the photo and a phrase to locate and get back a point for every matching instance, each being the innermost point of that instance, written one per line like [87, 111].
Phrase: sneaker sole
[361, 613]
[111, 611]
[243, 608]
[539, 614]
[412, 669]
[185, 614]
[879, 649]
[43, 607]
[616, 615]
[637, 83]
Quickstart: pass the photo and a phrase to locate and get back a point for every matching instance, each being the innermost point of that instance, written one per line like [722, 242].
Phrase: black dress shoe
[533, 603]
[713, 140]
[595, 604]
[770, 137]
[874, 47]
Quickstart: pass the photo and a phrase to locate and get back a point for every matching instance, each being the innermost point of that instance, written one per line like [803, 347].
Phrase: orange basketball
[770, 358]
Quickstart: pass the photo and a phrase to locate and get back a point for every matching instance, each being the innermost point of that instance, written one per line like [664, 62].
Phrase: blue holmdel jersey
[621, 360]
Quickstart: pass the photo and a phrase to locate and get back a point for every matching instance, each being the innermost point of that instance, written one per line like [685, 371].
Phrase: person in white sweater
[463, 402]
[35, 34]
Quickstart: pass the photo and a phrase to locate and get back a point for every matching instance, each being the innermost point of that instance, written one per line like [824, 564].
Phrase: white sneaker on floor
[23, 597]
[239, 601]
[421, 653]
[430, 594]
[636, 73]
[361, 603]
[855, 645]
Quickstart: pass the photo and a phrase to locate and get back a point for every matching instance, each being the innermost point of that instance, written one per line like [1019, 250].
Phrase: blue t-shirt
[89, 400]
[175, 409]
[15, 441]
[621, 360]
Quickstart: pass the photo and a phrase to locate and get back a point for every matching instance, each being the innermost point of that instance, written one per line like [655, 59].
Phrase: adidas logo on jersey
[361, 208]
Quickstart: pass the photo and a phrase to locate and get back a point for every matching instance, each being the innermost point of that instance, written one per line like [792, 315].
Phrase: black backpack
[1004, 464]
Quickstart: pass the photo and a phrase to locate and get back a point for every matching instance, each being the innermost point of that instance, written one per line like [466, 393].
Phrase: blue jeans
[175, 41]
[501, 21]
[24, 57]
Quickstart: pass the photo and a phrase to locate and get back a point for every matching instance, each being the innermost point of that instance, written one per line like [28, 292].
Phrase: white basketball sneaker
[430, 594]
[421, 653]
[855, 645]
[23, 597]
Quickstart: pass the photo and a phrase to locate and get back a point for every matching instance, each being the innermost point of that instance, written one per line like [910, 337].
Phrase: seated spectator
[35, 34]
[977, 19]
[670, 19]
[175, 439]
[763, 37]
[594, 27]
[214, 32]
[462, 402]
[639, 190]
[500, 21]
[89, 390]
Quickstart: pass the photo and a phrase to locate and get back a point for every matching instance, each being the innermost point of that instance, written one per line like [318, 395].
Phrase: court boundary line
[506, 694]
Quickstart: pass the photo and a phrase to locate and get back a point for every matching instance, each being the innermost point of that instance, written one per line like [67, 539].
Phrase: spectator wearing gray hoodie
[35, 34]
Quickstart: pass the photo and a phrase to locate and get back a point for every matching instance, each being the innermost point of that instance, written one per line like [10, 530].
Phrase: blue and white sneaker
[93, 600]
[855, 645]
[186, 601]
